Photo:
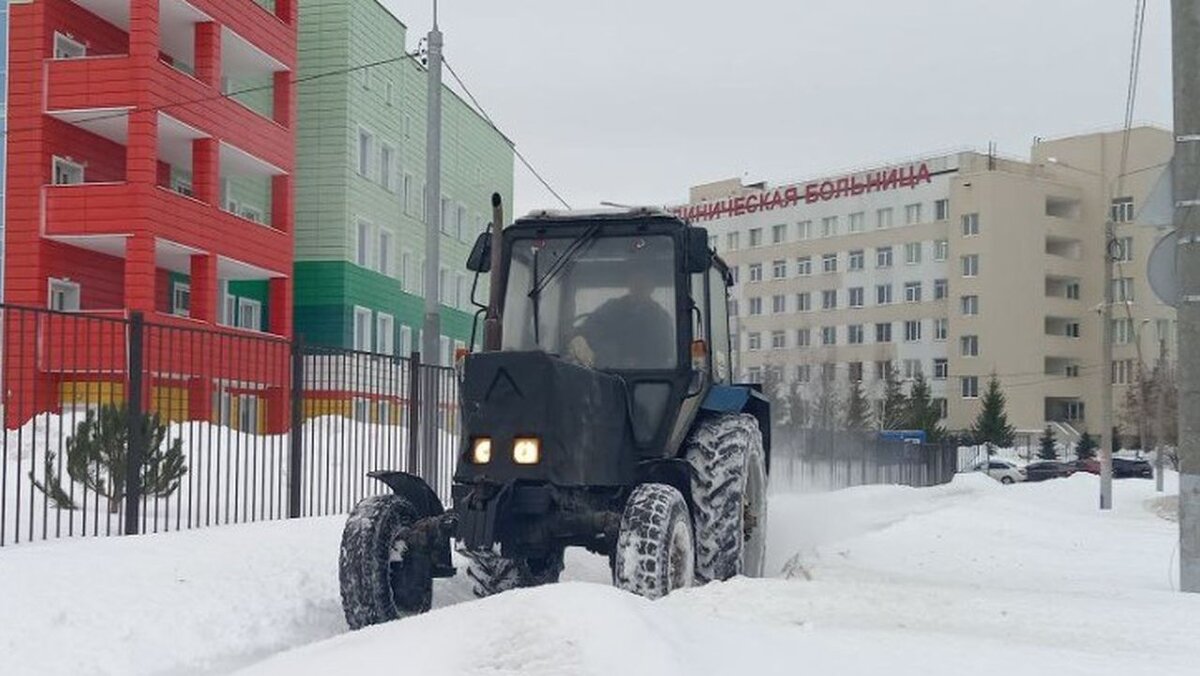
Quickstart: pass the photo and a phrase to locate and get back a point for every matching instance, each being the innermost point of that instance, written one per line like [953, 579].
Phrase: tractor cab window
[604, 302]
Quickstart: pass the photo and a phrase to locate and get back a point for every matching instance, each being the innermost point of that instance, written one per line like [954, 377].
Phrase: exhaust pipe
[494, 318]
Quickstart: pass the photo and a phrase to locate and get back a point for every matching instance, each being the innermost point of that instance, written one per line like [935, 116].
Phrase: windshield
[610, 305]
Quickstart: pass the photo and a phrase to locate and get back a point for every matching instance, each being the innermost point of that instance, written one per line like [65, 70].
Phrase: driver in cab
[633, 331]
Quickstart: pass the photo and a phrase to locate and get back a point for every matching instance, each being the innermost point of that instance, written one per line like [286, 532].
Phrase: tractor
[600, 413]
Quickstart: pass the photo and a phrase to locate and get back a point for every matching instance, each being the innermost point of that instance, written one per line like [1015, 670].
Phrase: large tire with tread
[729, 496]
[655, 553]
[380, 578]
[492, 574]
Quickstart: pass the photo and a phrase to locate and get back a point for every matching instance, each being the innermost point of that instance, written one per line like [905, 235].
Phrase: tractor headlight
[481, 451]
[527, 450]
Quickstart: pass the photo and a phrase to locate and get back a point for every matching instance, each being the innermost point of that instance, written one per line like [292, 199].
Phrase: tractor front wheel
[655, 553]
[491, 573]
[382, 578]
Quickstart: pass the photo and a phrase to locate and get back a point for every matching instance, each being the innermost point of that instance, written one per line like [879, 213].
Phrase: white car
[1004, 471]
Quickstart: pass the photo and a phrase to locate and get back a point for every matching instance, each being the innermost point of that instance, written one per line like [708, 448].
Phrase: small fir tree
[858, 413]
[991, 425]
[1086, 448]
[922, 412]
[1047, 448]
[895, 404]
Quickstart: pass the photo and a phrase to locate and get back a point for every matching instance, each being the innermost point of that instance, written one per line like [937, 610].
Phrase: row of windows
[968, 385]
[914, 292]
[831, 226]
[376, 332]
[912, 331]
[375, 249]
[913, 253]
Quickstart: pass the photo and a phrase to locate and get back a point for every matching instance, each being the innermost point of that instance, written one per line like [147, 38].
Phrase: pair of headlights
[525, 450]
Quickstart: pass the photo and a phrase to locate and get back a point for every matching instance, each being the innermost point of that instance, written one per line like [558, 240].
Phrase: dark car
[1091, 466]
[1132, 468]
[1048, 469]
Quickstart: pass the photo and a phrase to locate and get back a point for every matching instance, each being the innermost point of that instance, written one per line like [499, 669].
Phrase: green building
[360, 186]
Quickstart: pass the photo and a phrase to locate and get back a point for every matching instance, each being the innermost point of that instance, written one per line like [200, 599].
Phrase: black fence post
[296, 452]
[135, 424]
[414, 407]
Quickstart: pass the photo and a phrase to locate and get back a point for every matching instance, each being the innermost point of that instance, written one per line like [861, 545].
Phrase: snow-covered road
[971, 577]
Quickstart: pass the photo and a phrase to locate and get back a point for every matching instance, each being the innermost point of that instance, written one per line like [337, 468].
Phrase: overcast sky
[633, 101]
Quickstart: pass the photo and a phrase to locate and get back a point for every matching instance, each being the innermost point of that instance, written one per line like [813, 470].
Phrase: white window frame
[364, 152]
[913, 253]
[71, 291]
[970, 265]
[408, 193]
[970, 225]
[69, 164]
[71, 44]
[362, 239]
[251, 307]
[176, 289]
[941, 250]
[387, 167]
[912, 292]
[384, 263]
[969, 387]
[385, 334]
[912, 330]
[363, 321]
[884, 257]
[406, 338]
[856, 260]
[247, 413]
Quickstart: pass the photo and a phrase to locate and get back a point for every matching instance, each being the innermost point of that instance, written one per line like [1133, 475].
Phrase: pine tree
[1086, 448]
[991, 425]
[895, 404]
[858, 414]
[921, 412]
[1047, 449]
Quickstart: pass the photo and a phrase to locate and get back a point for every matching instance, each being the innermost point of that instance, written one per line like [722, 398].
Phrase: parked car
[1004, 471]
[1132, 468]
[1048, 469]
[1090, 465]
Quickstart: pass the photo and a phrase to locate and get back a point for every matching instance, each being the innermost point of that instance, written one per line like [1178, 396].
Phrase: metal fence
[125, 425]
[813, 459]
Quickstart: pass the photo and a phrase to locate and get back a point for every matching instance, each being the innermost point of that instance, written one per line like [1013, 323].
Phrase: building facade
[156, 143]
[360, 210]
[955, 267]
[3, 126]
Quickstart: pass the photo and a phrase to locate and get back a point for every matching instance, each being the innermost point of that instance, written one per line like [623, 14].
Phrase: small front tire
[492, 574]
[1006, 480]
[655, 553]
[382, 579]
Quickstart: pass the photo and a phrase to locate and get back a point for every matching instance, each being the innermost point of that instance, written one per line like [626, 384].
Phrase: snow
[969, 577]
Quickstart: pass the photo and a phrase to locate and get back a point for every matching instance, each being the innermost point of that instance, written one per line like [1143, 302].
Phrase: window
[941, 289]
[804, 302]
[856, 371]
[804, 373]
[829, 262]
[804, 266]
[755, 306]
[779, 304]
[366, 149]
[63, 295]
[1122, 210]
[1122, 331]
[389, 95]
[941, 368]
[755, 237]
[970, 387]
[732, 241]
[779, 233]
[970, 305]
[969, 346]
[385, 265]
[804, 230]
[912, 292]
[803, 337]
[387, 174]
[446, 217]
[883, 218]
[829, 299]
[829, 226]
[385, 334]
[1071, 370]
[829, 335]
[941, 328]
[228, 306]
[754, 374]
[912, 214]
[883, 332]
[66, 47]
[882, 369]
[912, 368]
[970, 225]
[778, 340]
[941, 249]
[67, 172]
[183, 186]
[754, 341]
[941, 210]
[247, 413]
[406, 341]
[858, 221]
[249, 314]
[1124, 250]
[856, 297]
[970, 265]
[735, 273]
[855, 261]
[779, 269]
[362, 338]
[883, 257]
[756, 272]
[943, 407]
[733, 307]
[181, 299]
[1122, 290]
[362, 251]
[854, 334]
[1071, 330]
[883, 294]
[912, 253]
[408, 194]
[1122, 372]
[912, 330]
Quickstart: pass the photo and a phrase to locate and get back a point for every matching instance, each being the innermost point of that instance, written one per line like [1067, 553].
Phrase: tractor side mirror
[480, 259]
[699, 257]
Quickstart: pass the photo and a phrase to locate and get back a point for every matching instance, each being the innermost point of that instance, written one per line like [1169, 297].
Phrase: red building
[151, 146]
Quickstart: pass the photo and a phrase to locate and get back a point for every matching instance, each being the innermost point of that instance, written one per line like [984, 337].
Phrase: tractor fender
[412, 488]
[743, 399]
[674, 472]
[432, 532]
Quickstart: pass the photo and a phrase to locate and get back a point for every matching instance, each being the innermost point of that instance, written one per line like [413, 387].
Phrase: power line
[488, 119]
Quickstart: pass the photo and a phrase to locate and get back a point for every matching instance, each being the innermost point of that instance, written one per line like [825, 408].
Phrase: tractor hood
[580, 417]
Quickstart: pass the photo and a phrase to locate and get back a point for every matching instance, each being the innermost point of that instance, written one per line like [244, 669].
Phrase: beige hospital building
[956, 266]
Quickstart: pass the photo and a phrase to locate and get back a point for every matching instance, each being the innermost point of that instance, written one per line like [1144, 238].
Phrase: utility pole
[1161, 422]
[432, 328]
[1106, 385]
[1185, 59]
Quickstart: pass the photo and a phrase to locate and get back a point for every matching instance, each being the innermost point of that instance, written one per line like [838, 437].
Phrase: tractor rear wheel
[729, 495]
[655, 553]
[382, 578]
[491, 573]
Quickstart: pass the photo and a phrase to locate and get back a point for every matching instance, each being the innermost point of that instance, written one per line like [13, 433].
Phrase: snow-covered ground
[973, 577]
